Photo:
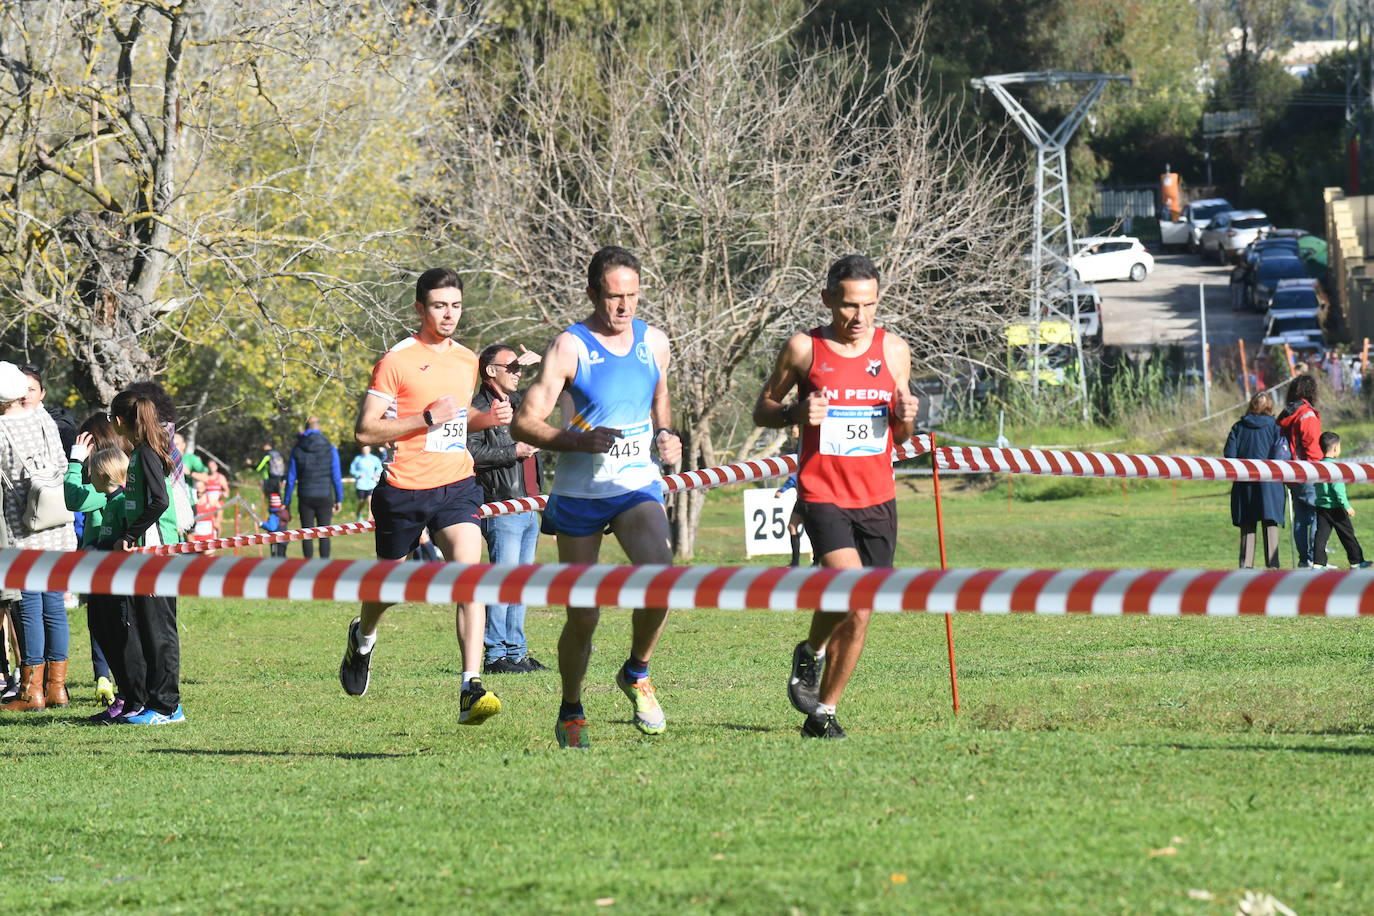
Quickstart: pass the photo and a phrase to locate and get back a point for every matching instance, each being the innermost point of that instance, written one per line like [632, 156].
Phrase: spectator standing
[506, 469]
[314, 467]
[365, 470]
[98, 479]
[29, 439]
[192, 463]
[61, 416]
[1257, 436]
[1334, 511]
[278, 517]
[272, 469]
[1302, 427]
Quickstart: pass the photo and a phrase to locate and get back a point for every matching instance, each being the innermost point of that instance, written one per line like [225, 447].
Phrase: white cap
[13, 383]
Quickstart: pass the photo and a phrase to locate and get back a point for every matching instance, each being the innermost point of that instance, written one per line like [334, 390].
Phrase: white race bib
[629, 452]
[854, 432]
[451, 436]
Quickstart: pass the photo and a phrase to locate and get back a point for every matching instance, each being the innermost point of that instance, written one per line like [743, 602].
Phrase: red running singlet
[847, 460]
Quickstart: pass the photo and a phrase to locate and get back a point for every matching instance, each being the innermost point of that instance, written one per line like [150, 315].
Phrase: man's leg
[517, 647]
[1323, 535]
[642, 531]
[307, 509]
[841, 636]
[324, 515]
[503, 546]
[575, 642]
[462, 543]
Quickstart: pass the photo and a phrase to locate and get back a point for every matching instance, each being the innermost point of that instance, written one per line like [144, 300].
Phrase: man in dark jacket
[506, 469]
[314, 466]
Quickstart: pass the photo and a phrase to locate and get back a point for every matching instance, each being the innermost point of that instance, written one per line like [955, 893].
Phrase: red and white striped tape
[1058, 463]
[704, 479]
[1102, 592]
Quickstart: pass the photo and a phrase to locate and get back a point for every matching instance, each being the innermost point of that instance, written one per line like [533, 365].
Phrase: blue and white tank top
[614, 391]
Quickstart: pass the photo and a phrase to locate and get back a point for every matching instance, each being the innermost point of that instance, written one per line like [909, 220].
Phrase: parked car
[1188, 228]
[1307, 293]
[1268, 243]
[1228, 233]
[1296, 327]
[1120, 257]
[1270, 269]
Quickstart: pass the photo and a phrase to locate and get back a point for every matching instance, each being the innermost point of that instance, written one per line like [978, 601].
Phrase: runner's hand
[816, 406]
[597, 441]
[904, 405]
[444, 409]
[669, 447]
[501, 411]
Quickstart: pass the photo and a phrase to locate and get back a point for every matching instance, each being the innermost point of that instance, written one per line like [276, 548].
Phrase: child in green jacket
[1334, 511]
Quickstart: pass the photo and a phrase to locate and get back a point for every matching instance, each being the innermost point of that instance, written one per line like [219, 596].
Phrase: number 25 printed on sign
[765, 522]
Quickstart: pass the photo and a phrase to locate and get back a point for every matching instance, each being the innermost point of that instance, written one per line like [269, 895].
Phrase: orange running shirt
[410, 377]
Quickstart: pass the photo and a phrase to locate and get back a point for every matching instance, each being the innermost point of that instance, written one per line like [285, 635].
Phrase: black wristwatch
[787, 414]
[666, 429]
[427, 417]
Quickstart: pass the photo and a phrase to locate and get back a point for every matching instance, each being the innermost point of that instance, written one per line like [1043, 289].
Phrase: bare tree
[737, 166]
[177, 174]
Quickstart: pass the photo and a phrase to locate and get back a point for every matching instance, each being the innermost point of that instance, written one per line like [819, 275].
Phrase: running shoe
[649, 716]
[104, 691]
[804, 687]
[11, 689]
[153, 717]
[355, 671]
[109, 714]
[477, 704]
[572, 733]
[821, 725]
[1363, 564]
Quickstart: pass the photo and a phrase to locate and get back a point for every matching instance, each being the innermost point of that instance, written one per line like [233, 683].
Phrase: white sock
[823, 710]
[818, 653]
[467, 676]
[365, 643]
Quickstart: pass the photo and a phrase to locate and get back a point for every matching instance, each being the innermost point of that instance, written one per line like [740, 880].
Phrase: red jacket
[1302, 425]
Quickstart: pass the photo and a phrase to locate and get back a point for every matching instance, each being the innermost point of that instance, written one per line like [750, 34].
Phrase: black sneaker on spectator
[530, 663]
[502, 666]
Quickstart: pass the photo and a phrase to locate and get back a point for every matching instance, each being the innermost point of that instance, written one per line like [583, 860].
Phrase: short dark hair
[166, 409]
[606, 260]
[1303, 388]
[1327, 440]
[436, 278]
[850, 267]
[488, 356]
[32, 372]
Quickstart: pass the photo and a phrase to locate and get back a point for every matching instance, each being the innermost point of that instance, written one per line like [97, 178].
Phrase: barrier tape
[1057, 463]
[703, 479]
[1098, 592]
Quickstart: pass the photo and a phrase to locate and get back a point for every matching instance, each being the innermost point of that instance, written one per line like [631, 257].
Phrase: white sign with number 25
[765, 523]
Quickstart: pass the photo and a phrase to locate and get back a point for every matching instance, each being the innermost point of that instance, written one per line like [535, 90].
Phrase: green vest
[136, 498]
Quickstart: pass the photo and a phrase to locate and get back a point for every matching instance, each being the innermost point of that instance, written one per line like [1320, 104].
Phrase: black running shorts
[402, 514]
[871, 530]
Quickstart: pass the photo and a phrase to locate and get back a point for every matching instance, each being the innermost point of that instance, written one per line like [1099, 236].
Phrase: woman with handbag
[31, 466]
[1257, 436]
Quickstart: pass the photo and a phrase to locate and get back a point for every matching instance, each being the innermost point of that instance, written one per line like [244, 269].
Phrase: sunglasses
[512, 368]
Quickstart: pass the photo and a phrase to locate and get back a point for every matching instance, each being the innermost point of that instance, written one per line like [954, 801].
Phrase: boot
[30, 697]
[55, 684]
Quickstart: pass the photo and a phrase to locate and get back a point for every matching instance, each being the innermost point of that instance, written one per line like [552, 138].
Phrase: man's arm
[531, 423]
[897, 355]
[661, 410]
[337, 473]
[290, 478]
[793, 359]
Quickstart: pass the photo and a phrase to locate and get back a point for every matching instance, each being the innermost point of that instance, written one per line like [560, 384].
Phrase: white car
[1119, 257]
[1194, 218]
[1228, 234]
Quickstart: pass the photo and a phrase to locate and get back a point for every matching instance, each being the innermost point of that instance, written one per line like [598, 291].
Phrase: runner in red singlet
[854, 401]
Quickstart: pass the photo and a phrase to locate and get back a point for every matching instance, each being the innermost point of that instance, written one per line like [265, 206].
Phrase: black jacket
[493, 451]
[314, 468]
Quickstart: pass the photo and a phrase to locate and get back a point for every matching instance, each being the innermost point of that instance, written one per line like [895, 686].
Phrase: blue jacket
[1254, 436]
[314, 464]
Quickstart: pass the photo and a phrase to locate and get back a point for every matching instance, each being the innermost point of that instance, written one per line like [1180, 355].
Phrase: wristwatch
[428, 417]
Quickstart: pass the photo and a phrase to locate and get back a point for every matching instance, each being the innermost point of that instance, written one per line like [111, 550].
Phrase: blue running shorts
[579, 517]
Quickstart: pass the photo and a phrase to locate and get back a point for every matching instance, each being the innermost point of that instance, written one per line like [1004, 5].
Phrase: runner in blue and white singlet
[618, 392]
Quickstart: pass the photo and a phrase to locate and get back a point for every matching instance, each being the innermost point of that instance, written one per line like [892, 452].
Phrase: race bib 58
[851, 432]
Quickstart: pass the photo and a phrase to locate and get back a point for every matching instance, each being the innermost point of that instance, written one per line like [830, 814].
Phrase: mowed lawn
[1099, 765]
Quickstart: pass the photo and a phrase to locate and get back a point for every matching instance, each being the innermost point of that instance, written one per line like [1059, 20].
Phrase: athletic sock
[818, 653]
[567, 711]
[468, 676]
[635, 669]
[824, 710]
[365, 643]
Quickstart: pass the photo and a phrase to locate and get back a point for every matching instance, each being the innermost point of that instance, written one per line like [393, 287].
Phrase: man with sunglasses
[506, 469]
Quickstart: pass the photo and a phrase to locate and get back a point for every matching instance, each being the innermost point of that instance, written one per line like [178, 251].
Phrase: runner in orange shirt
[419, 398]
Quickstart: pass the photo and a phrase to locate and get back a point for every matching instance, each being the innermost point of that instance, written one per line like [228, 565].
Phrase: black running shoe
[530, 663]
[502, 666]
[821, 725]
[803, 689]
[355, 671]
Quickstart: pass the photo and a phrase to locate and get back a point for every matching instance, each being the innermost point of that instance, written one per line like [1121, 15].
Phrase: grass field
[1099, 765]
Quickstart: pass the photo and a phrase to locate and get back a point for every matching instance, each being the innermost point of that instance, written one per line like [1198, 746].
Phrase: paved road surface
[1164, 308]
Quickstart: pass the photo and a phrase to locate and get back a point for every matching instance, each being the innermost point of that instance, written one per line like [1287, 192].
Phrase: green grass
[1099, 765]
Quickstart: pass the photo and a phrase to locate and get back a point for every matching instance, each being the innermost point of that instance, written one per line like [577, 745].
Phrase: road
[1164, 310]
